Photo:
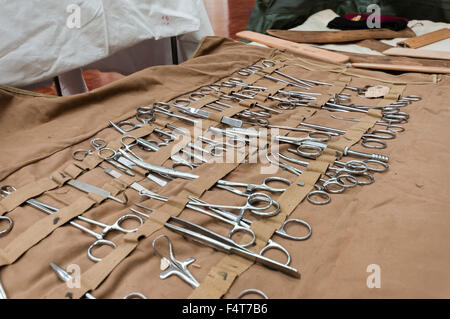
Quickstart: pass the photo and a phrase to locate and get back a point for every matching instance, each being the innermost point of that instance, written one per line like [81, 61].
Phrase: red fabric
[364, 16]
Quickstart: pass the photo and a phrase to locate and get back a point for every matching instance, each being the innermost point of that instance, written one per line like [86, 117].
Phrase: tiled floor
[227, 17]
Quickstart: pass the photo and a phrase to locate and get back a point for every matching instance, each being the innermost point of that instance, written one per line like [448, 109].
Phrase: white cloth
[38, 43]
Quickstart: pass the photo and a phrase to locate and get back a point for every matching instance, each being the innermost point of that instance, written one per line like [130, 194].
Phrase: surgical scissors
[48, 209]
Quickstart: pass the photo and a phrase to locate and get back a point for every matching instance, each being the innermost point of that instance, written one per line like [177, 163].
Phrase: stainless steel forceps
[209, 238]
[49, 209]
[175, 267]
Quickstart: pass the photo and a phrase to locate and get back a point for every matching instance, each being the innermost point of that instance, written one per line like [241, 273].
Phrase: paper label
[376, 91]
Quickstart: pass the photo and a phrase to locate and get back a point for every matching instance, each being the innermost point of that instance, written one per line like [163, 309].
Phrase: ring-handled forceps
[162, 108]
[250, 205]
[99, 144]
[65, 277]
[96, 143]
[255, 68]
[323, 187]
[243, 225]
[9, 226]
[49, 209]
[250, 188]
[389, 126]
[209, 238]
[183, 106]
[207, 91]
[251, 291]
[176, 267]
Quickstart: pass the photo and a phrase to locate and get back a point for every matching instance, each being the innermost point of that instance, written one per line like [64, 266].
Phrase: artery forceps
[98, 144]
[242, 225]
[250, 188]
[183, 106]
[255, 68]
[49, 209]
[65, 277]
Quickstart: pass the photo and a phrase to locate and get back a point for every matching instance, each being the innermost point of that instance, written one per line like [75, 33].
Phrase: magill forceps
[65, 277]
[175, 267]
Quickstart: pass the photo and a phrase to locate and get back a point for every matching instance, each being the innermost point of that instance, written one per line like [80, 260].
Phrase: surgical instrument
[159, 169]
[136, 186]
[65, 277]
[251, 291]
[209, 238]
[88, 188]
[183, 106]
[98, 144]
[176, 267]
[49, 209]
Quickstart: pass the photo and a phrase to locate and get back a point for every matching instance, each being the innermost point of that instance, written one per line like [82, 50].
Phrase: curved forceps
[6, 218]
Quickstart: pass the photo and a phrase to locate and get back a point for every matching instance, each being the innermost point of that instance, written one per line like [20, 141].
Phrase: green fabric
[286, 14]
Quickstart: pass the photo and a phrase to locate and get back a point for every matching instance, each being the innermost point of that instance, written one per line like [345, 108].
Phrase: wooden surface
[339, 36]
[418, 53]
[422, 40]
[300, 49]
[403, 68]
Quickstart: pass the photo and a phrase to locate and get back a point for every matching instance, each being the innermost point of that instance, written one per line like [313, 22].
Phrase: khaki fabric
[400, 222]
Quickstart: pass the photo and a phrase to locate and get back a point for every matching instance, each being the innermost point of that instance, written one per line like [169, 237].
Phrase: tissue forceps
[49, 209]
[65, 277]
[209, 238]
